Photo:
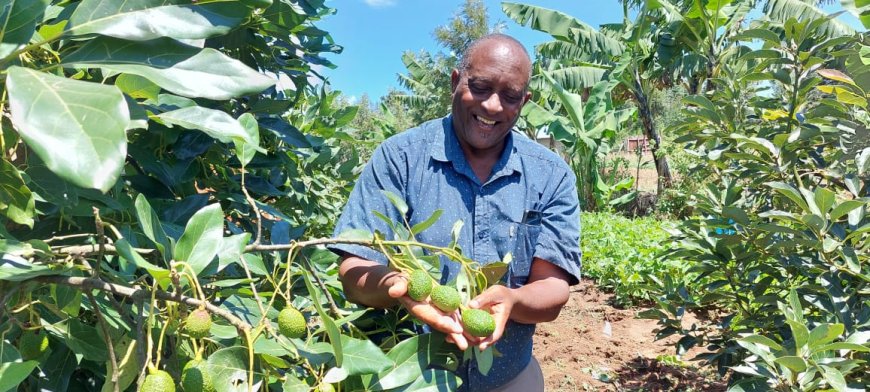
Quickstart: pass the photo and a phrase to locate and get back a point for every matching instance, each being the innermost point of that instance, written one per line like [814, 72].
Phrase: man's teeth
[486, 120]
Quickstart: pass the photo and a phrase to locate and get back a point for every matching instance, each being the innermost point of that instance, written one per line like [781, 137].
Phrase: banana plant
[588, 132]
[581, 56]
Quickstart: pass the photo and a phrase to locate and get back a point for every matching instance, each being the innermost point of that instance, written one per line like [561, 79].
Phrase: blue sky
[375, 33]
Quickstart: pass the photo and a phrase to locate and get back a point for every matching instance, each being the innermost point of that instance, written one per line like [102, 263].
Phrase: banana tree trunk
[665, 180]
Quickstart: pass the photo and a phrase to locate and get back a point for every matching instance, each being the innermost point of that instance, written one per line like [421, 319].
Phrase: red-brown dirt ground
[576, 353]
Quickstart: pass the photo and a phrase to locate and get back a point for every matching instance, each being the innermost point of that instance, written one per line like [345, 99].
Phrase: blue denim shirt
[528, 207]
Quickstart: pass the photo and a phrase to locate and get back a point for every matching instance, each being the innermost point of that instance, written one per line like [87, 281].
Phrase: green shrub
[620, 253]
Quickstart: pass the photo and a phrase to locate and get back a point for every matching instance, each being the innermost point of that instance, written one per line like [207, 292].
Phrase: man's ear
[454, 79]
[527, 97]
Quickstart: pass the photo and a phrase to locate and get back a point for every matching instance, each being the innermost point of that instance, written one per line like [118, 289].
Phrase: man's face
[488, 96]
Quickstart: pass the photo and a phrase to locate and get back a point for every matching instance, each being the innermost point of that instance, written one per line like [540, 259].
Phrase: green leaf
[148, 19]
[293, 384]
[214, 123]
[483, 359]
[82, 339]
[762, 34]
[800, 333]
[844, 208]
[210, 74]
[232, 249]
[16, 269]
[840, 346]
[433, 380]
[16, 200]
[202, 238]
[418, 228]
[410, 357]
[790, 192]
[182, 69]
[13, 373]
[126, 251]
[824, 199]
[397, 202]
[834, 378]
[362, 356]
[246, 150]
[762, 340]
[18, 19]
[77, 128]
[824, 334]
[57, 376]
[754, 384]
[328, 323]
[151, 226]
[796, 364]
[229, 369]
[137, 87]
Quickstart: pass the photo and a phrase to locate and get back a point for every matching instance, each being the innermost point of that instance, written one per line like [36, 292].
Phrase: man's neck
[482, 161]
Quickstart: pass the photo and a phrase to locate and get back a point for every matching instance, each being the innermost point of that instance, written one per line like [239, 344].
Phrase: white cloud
[380, 3]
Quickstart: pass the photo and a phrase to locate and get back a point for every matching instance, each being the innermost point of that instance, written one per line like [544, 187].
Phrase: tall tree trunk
[664, 172]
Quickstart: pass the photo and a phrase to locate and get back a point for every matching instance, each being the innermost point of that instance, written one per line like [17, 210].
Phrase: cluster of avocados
[196, 375]
[477, 322]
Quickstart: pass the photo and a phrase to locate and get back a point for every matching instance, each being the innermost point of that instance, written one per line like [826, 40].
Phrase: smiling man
[513, 195]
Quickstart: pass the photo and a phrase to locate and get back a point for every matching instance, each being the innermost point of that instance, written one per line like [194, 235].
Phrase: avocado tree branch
[139, 294]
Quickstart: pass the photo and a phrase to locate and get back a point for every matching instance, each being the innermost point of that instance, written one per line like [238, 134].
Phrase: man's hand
[427, 313]
[498, 300]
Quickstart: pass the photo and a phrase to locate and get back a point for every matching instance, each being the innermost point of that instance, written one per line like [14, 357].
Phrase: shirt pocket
[520, 240]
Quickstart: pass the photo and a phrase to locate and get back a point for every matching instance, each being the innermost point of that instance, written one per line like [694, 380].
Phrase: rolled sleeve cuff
[566, 257]
[360, 251]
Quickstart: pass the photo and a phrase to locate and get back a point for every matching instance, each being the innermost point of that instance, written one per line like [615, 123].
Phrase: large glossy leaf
[179, 68]
[159, 53]
[362, 356]
[215, 123]
[18, 20]
[202, 238]
[563, 27]
[149, 19]
[77, 128]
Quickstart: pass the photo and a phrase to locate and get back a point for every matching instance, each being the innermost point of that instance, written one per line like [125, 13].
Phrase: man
[513, 195]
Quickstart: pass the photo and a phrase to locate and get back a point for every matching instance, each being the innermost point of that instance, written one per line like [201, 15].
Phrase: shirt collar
[446, 148]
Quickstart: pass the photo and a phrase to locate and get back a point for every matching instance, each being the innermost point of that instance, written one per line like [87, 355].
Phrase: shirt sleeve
[559, 240]
[384, 172]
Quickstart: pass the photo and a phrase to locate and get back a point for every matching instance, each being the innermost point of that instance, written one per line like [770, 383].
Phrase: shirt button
[481, 234]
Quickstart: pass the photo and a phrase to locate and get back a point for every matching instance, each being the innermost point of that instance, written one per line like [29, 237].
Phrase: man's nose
[492, 104]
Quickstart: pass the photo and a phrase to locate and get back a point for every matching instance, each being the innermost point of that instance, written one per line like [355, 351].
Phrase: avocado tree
[780, 239]
[163, 163]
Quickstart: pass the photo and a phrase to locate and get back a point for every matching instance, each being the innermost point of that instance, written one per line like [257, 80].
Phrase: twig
[141, 294]
[254, 290]
[256, 209]
[101, 240]
[140, 339]
[102, 321]
[85, 250]
[332, 305]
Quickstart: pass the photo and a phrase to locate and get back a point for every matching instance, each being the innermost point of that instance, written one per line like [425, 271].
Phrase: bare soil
[594, 346]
